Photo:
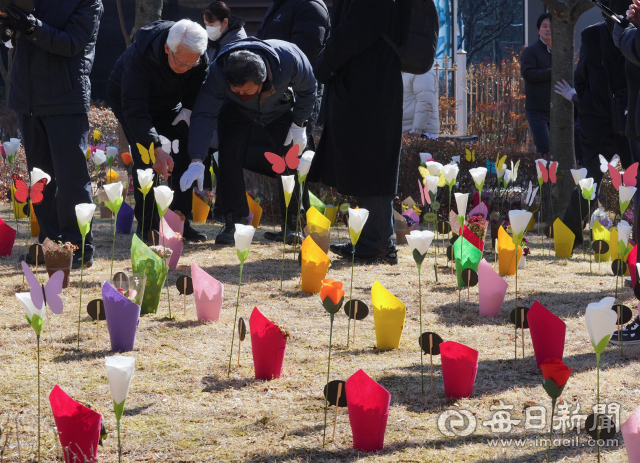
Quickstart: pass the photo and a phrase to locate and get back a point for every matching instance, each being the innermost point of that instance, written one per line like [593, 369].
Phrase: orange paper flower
[126, 158]
[332, 289]
[556, 370]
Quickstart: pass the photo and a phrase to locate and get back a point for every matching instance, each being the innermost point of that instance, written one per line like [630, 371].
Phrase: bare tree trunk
[147, 11]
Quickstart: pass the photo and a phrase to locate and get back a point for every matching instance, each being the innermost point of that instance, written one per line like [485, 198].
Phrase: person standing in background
[421, 117]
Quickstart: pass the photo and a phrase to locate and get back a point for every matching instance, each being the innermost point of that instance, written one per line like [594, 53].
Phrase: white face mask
[214, 32]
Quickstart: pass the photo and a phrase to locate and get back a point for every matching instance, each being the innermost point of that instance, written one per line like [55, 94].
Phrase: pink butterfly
[279, 164]
[628, 177]
[99, 147]
[550, 174]
[45, 294]
[424, 194]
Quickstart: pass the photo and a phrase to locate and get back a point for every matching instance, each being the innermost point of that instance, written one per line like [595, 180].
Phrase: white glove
[193, 173]
[297, 135]
[183, 115]
[565, 90]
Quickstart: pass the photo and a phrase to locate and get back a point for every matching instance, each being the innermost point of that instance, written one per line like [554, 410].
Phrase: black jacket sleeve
[310, 27]
[529, 67]
[580, 76]
[627, 41]
[76, 34]
[135, 85]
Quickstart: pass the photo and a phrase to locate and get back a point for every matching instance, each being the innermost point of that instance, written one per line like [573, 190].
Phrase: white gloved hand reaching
[195, 172]
[297, 135]
[183, 115]
[565, 90]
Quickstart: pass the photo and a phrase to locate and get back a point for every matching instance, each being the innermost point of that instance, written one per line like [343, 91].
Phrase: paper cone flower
[434, 168]
[547, 333]
[242, 238]
[209, 294]
[368, 407]
[119, 372]
[171, 240]
[35, 226]
[388, 317]
[467, 257]
[164, 198]
[124, 220]
[578, 174]
[601, 323]
[461, 202]
[587, 187]
[174, 221]
[123, 317]
[305, 165]
[78, 427]
[315, 264]
[472, 238]
[480, 209]
[112, 176]
[257, 211]
[330, 212]
[114, 196]
[626, 194]
[35, 315]
[506, 254]
[7, 238]
[631, 435]
[624, 233]
[507, 177]
[601, 233]
[268, 346]
[519, 221]
[459, 368]
[450, 174]
[478, 174]
[18, 208]
[563, 239]
[318, 228]
[144, 260]
[357, 219]
[632, 260]
[491, 290]
[288, 184]
[419, 242]
[84, 214]
[200, 209]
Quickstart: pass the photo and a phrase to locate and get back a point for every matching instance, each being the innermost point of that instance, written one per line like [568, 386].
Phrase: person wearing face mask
[250, 87]
[152, 88]
[222, 27]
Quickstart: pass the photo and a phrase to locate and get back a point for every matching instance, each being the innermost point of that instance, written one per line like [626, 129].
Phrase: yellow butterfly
[469, 155]
[147, 156]
[500, 162]
[514, 170]
[424, 172]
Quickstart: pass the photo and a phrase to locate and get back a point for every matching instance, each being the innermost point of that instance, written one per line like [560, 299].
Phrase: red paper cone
[78, 427]
[7, 238]
[268, 346]
[473, 238]
[368, 407]
[632, 260]
[547, 333]
[459, 368]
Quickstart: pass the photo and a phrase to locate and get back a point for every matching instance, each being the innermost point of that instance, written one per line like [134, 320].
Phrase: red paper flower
[556, 370]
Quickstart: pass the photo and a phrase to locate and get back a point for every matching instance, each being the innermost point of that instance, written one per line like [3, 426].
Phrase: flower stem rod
[235, 320]
[80, 305]
[166, 265]
[38, 338]
[119, 443]
[353, 257]
[515, 335]
[596, 416]
[324, 434]
[113, 244]
[553, 407]
[284, 243]
[420, 334]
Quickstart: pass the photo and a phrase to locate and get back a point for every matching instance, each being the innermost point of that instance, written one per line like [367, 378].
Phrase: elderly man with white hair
[152, 89]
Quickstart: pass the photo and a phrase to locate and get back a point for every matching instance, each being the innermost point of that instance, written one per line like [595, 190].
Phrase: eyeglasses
[181, 63]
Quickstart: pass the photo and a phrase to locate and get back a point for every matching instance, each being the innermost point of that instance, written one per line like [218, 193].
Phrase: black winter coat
[627, 41]
[51, 67]
[359, 151]
[535, 67]
[234, 31]
[600, 71]
[148, 85]
[302, 22]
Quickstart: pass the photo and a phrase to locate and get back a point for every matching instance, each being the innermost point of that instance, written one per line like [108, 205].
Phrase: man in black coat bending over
[51, 94]
[152, 89]
[304, 23]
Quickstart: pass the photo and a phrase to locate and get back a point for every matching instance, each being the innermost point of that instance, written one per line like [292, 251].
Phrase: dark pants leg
[539, 123]
[57, 144]
[634, 147]
[377, 234]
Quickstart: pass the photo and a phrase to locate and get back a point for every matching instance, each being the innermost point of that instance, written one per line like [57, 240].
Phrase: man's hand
[195, 172]
[183, 115]
[21, 21]
[633, 13]
[297, 135]
[164, 163]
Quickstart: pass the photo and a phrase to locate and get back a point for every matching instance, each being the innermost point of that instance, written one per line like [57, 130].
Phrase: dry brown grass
[182, 406]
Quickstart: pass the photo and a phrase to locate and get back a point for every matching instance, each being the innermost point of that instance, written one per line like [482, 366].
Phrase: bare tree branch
[125, 34]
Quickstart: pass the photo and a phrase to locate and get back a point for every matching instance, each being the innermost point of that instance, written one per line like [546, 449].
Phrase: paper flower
[555, 370]
[601, 323]
[37, 175]
[500, 173]
[419, 242]
[434, 168]
[114, 192]
[112, 152]
[425, 157]
[578, 174]
[626, 194]
[243, 236]
[508, 176]
[84, 214]
[99, 157]
[587, 187]
[431, 183]
[478, 174]
[461, 201]
[331, 295]
[357, 219]
[164, 196]
[126, 158]
[145, 179]
[305, 165]
[11, 148]
[288, 184]
[450, 174]
[538, 170]
[459, 369]
[119, 372]
[35, 316]
[519, 220]
[97, 135]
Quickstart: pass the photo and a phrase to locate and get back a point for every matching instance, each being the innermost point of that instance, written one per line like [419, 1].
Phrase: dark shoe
[88, 260]
[291, 237]
[192, 235]
[226, 235]
[630, 334]
[388, 256]
[344, 249]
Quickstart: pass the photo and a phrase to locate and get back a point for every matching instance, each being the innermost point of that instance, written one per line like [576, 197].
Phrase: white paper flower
[164, 196]
[145, 179]
[357, 219]
[112, 152]
[461, 201]
[431, 183]
[450, 173]
[243, 236]
[586, 184]
[99, 157]
[626, 193]
[519, 220]
[30, 310]
[11, 147]
[84, 213]
[424, 157]
[37, 175]
[600, 321]
[420, 240]
[215, 157]
[455, 159]
[478, 174]
[624, 232]
[288, 183]
[305, 164]
[113, 191]
[507, 176]
[501, 172]
[434, 168]
[578, 174]
[544, 163]
[119, 372]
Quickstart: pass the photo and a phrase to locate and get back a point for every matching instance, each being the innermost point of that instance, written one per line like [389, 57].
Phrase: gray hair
[243, 66]
[188, 34]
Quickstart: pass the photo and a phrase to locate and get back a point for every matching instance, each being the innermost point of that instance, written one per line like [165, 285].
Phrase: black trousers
[242, 145]
[57, 145]
[182, 200]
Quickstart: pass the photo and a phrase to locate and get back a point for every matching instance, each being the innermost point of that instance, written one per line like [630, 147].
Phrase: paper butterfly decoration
[170, 146]
[148, 156]
[279, 163]
[491, 168]
[500, 162]
[514, 170]
[531, 195]
[604, 165]
[47, 294]
[23, 192]
[424, 194]
[469, 155]
[548, 174]
[628, 178]
[454, 160]
[99, 147]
